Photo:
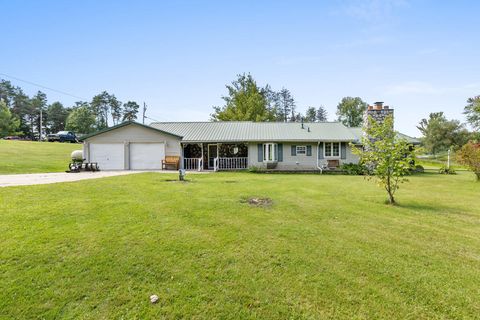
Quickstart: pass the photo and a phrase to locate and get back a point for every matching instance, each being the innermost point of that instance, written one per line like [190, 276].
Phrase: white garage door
[109, 156]
[146, 156]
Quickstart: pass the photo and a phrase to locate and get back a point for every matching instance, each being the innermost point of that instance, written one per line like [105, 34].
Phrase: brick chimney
[378, 112]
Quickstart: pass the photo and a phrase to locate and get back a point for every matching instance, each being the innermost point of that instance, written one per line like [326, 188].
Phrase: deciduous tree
[389, 159]
[8, 123]
[245, 101]
[81, 119]
[56, 117]
[472, 111]
[440, 134]
[350, 111]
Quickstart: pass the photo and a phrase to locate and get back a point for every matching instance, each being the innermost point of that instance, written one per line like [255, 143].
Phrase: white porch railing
[193, 164]
[237, 163]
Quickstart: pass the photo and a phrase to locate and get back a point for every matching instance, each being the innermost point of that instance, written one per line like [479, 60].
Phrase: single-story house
[232, 145]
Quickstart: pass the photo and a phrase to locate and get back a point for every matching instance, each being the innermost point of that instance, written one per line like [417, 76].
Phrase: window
[270, 152]
[332, 149]
[301, 150]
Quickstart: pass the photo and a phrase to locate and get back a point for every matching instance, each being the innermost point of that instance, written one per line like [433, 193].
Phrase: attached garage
[108, 155]
[130, 146]
[146, 156]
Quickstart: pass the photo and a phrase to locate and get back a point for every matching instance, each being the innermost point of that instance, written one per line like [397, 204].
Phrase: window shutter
[309, 150]
[320, 151]
[260, 152]
[280, 152]
[294, 150]
[343, 150]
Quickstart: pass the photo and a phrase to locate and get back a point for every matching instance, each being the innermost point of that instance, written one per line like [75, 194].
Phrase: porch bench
[333, 164]
[171, 161]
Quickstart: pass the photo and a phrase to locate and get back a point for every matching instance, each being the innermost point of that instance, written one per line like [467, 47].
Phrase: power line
[42, 86]
[152, 119]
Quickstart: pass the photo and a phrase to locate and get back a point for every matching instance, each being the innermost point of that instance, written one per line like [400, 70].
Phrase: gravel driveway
[10, 180]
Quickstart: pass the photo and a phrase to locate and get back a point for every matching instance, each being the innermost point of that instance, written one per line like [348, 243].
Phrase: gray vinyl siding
[299, 161]
[134, 133]
[349, 158]
[289, 162]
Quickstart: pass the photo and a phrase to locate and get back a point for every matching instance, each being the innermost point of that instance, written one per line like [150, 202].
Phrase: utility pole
[41, 120]
[144, 110]
[448, 159]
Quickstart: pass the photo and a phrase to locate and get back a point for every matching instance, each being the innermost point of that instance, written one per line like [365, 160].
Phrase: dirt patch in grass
[258, 202]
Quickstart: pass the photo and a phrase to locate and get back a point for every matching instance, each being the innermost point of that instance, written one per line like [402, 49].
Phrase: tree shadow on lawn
[430, 208]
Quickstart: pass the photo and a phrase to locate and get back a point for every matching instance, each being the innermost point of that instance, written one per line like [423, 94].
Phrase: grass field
[326, 247]
[34, 157]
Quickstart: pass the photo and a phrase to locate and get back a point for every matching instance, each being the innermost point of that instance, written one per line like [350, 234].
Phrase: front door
[212, 154]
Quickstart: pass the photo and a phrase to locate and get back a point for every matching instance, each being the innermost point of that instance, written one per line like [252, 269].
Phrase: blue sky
[417, 56]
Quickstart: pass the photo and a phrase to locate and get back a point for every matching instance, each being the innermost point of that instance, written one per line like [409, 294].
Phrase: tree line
[20, 114]
[247, 101]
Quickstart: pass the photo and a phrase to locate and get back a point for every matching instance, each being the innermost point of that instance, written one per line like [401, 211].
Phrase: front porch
[215, 156]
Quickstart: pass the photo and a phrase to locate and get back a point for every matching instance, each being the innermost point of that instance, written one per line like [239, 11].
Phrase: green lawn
[33, 157]
[327, 247]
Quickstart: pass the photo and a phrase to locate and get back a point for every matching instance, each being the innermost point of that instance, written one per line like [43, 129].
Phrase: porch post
[182, 154]
[203, 157]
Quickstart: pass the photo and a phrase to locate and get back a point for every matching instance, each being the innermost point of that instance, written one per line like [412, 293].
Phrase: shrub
[469, 156]
[446, 170]
[354, 169]
[254, 169]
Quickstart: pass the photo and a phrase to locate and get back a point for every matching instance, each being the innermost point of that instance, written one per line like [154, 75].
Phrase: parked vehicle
[11, 138]
[62, 136]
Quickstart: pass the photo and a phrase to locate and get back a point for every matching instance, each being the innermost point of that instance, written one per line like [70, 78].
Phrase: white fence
[193, 164]
[232, 163]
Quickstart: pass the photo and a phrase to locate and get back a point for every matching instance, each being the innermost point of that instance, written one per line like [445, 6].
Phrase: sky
[177, 56]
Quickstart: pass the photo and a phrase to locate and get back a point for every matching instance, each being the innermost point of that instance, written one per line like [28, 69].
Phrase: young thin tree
[469, 156]
[389, 159]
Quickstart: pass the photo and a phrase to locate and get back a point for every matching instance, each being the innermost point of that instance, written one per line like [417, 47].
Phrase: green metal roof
[358, 132]
[123, 124]
[243, 131]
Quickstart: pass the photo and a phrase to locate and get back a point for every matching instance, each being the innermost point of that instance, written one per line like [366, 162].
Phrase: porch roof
[244, 131]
